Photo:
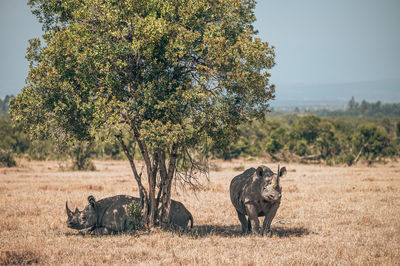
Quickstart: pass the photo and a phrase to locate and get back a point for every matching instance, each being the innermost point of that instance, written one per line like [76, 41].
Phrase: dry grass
[336, 215]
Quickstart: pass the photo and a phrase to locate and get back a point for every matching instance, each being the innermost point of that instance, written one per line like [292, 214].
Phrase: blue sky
[332, 41]
[320, 45]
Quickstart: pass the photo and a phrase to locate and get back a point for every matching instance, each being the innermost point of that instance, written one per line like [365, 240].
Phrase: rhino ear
[92, 201]
[282, 172]
[260, 171]
[69, 212]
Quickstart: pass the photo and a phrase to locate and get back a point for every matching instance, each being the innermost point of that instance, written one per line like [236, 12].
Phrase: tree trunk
[152, 189]
[150, 210]
[360, 152]
[167, 185]
[149, 167]
[142, 191]
[163, 178]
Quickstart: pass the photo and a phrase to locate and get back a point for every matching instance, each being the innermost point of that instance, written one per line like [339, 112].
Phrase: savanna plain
[328, 215]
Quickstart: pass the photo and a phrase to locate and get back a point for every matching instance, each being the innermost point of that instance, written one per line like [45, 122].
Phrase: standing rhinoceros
[256, 192]
[111, 215]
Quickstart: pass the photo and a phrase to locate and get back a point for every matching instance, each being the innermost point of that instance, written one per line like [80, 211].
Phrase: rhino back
[178, 214]
[237, 188]
[113, 212]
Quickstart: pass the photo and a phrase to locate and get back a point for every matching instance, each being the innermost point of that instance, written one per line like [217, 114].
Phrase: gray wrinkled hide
[179, 216]
[256, 193]
[111, 215]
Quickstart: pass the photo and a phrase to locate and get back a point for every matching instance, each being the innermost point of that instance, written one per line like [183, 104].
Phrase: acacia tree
[168, 73]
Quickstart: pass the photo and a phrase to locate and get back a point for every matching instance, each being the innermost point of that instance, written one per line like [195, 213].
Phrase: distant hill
[386, 91]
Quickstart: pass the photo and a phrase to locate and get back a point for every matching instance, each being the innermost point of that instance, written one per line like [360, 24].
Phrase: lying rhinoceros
[111, 215]
[256, 192]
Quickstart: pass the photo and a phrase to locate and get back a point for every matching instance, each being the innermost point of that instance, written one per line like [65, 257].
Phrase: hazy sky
[332, 41]
[317, 41]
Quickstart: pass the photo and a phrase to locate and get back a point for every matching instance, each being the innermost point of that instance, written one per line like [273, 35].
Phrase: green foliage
[398, 129]
[347, 158]
[81, 153]
[276, 141]
[12, 137]
[306, 128]
[42, 150]
[203, 73]
[371, 141]
[177, 71]
[301, 148]
[329, 140]
[7, 158]
[135, 216]
[5, 104]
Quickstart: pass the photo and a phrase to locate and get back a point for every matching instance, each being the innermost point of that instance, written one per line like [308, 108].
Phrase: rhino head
[271, 189]
[87, 218]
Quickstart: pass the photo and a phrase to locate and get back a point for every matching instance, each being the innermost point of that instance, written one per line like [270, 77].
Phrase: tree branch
[138, 177]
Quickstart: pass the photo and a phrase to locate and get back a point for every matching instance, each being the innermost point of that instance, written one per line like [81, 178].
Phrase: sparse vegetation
[334, 215]
[20, 256]
[7, 158]
[135, 216]
[313, 139]
[304, 138]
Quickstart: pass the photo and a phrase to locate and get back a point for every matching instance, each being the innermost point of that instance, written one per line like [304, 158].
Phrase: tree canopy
[168, 73]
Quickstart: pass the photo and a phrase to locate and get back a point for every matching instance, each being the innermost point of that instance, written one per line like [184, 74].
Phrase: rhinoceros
[255, 193]
[111, 215]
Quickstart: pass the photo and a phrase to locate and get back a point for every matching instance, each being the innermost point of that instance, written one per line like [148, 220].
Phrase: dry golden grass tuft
[21, 254]
[329, 215]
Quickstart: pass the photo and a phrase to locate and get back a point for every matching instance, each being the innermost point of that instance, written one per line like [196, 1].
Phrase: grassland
[334, 215]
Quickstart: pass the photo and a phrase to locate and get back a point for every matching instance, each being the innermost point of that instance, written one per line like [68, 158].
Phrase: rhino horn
[275, 179]
[68, 210]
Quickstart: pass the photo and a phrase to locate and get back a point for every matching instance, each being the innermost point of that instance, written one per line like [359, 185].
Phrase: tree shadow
[220, 230]
[200, 231]
[235, 231]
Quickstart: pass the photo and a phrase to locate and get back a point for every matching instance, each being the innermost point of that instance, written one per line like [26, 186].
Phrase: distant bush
[364, 109]
[347, 158]
[371, 142]
[81, 153]
[313, 139]
[7, 158]
[301, 148]
[362, 132]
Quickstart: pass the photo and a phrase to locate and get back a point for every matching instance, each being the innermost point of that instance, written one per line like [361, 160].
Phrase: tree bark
[149, 167]
[152, 189]
[166, 189]
[138, 177]
[157, 165]
[163, 177]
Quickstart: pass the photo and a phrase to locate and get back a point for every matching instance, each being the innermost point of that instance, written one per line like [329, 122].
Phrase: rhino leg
[248, 226]
[243, 221]
[253, 218]
[268, 219]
